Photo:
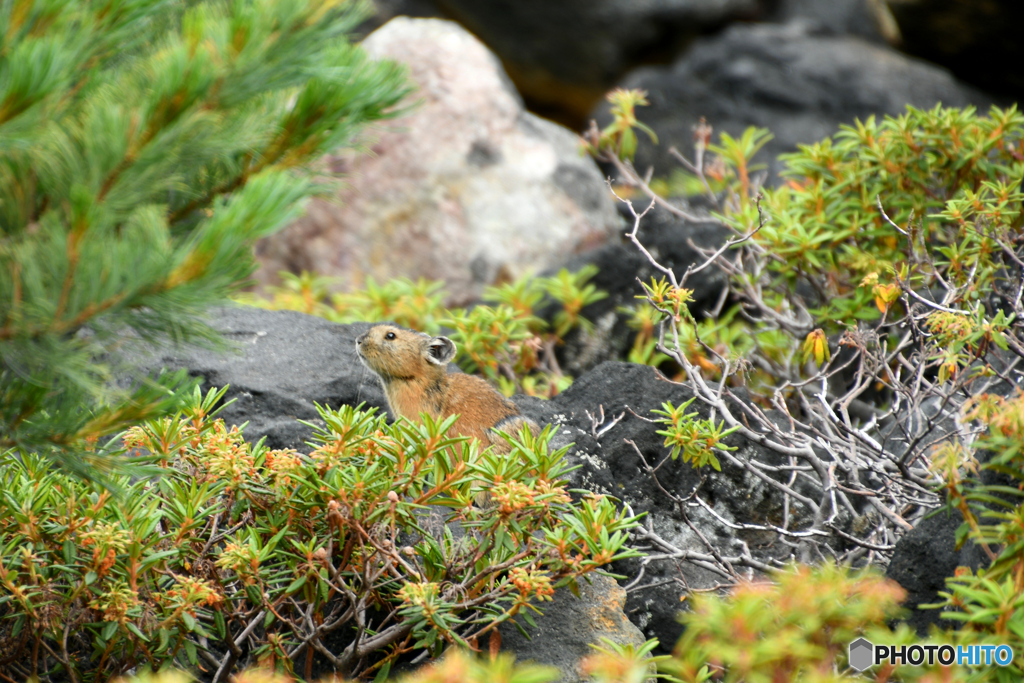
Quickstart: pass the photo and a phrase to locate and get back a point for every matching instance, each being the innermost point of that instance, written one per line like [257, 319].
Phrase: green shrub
[876, 301]
[867, 224]
[950, 181]
[238, 554]
[911, 227]
[610, 663]
[875, 222]
[989, 603]
[144, 146]
[795, 628]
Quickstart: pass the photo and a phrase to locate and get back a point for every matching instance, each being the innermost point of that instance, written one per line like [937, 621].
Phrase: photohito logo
[865, 654]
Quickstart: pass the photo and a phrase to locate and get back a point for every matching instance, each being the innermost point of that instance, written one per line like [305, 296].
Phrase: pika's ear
[440, 350]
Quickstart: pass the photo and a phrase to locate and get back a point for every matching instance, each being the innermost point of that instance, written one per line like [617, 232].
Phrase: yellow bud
[947, 370]
[816, 347]
[885, 295]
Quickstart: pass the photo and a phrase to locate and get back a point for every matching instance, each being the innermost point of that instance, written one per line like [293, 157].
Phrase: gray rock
[570, 625]
[797, 82]
[468, 188]
[383, 11]
[868, 19]
[922, 561]
[281, 362]
[928, 554]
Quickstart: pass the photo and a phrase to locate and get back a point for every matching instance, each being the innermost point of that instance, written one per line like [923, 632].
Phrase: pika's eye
[389, 336]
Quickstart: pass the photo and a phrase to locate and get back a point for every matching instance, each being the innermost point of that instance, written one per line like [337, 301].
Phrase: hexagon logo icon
[861, 654]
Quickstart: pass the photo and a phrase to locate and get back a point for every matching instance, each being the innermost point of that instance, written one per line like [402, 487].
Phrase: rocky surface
[280, 363]
[923, 559]
[868, 19]
[797, 81]
[468, 187]
[612, 461]
[563, 55]
[928, 554]
[570, 625]
[383, 11]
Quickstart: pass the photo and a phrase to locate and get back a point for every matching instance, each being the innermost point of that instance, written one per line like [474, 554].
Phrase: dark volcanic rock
[928, 553]
[799, 83]
[282, 363]
[923, 559]
[386, 10]
[570, 625]
[868, 19]
[611, 464]
[564, 54]
[586, 42]
[978, 41]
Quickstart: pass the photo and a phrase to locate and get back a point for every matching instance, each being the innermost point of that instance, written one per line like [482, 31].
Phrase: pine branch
[144, 147]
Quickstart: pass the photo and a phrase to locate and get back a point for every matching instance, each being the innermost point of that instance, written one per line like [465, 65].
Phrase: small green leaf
[382, 675]
[135, 630]
[218, 621]
[149, 560]
[295, 585]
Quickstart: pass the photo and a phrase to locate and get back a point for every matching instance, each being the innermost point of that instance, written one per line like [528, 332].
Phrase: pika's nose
[361, 338]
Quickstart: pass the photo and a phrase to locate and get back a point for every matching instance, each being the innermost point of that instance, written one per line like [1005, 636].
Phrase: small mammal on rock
[413, 368]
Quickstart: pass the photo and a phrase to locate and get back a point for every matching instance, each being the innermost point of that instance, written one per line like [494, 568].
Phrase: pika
[413, 368]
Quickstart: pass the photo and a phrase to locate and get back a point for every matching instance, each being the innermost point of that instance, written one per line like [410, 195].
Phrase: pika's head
[394, 353]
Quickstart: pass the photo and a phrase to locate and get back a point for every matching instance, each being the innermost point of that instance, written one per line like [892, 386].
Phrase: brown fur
[412, 367]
